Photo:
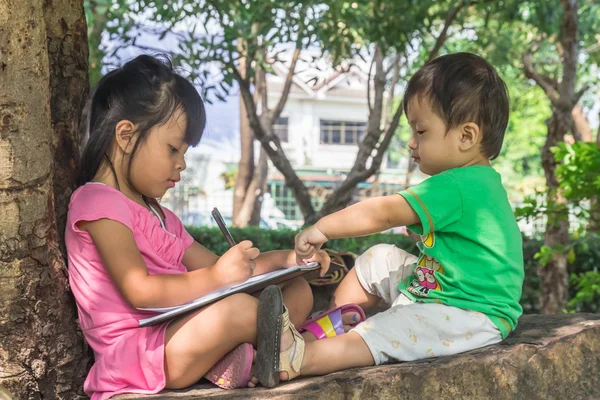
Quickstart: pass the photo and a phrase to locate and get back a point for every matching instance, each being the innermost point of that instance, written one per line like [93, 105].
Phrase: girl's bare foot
[253, 380]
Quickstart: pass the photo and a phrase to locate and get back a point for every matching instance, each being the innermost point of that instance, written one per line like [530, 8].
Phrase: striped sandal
[329, 323]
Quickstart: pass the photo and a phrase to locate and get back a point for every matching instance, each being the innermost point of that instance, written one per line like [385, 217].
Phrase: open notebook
[252, 285]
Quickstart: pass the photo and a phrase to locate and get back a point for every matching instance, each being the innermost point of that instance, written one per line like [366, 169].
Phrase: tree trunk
[594, 225]
[554, 277]
[43, 81]
[371, 149]
[246, 164]
[272, 146]
[245, 167]
[259, 185]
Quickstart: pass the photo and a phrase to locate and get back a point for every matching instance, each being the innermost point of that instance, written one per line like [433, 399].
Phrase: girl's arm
[197, 257]
[273, 260]
[121, 257]
[278, 259]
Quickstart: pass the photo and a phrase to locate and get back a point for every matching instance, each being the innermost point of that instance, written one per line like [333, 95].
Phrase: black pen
[219, 220]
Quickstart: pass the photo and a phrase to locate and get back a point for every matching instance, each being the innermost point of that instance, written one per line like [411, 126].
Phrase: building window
[286, 202]
[342, 132]
[280, 128]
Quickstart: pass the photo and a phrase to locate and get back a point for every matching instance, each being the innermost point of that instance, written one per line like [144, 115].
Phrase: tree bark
[554, 277]
[246, 163]
[262, 127]
[245, 167]
[258, 187]
[43, 81]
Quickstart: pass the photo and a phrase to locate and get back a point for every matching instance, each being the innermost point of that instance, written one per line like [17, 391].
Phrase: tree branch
[272, 146]
[548, 85]
[369, 86]
[441, 39]
[359, 171]
[288, 83]
[393, 83]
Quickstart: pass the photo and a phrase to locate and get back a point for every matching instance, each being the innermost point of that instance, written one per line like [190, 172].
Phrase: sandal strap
[292, 367]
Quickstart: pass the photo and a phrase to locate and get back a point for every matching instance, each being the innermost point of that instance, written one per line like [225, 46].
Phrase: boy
[463, 290]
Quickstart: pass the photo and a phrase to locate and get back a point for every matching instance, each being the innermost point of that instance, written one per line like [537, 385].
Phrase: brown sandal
[273, 321]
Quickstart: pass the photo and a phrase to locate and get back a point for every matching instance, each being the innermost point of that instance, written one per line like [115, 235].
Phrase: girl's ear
[470, 135]
[125, 135]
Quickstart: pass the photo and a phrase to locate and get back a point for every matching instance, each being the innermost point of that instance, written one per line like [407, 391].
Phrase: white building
[320, 128]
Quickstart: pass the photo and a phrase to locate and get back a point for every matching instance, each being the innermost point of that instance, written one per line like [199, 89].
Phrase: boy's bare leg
[332, 354]
[351, 291]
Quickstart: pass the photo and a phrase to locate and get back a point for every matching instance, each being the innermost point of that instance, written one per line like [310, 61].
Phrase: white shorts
[410, 331]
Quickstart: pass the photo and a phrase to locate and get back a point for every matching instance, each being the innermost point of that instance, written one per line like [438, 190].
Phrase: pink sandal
[233, 370]
[329, 323]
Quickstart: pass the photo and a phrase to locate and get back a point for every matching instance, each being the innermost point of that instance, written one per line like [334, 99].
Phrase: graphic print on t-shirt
[425, 270]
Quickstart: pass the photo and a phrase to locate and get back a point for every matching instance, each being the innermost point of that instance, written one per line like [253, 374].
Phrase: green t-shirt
[471, 250]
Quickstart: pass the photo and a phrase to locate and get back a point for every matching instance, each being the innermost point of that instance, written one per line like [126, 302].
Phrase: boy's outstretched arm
[364, 218]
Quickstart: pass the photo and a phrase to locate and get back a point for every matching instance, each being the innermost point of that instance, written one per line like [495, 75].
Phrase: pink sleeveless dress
[128, 359]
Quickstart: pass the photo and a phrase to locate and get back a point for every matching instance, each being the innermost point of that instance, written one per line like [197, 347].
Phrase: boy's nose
[412, 143]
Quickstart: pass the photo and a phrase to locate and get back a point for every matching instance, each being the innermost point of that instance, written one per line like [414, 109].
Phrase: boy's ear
[125, 135]
[470, 135]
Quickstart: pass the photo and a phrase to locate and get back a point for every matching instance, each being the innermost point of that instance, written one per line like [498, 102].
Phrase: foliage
[584, 279]
[206, 39]
[578, 170]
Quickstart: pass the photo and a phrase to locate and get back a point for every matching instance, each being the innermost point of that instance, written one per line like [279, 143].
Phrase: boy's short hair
[463, 87]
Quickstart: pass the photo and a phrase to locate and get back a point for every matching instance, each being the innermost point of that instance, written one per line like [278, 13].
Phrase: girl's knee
[300, 283]
[299, 289]
[233, 311]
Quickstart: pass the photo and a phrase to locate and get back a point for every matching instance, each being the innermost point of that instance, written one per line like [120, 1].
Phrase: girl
[126, 252]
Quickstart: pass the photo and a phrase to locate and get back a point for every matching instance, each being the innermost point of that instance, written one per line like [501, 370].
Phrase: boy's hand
[322, 258]
[308, 242]
[237, 264]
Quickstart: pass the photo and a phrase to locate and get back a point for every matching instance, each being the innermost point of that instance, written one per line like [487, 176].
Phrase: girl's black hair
[147, 92]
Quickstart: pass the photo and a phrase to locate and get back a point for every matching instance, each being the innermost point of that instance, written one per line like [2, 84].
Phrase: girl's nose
[181, 165]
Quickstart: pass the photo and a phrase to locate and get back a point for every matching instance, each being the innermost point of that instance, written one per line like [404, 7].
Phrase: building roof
[318, 79]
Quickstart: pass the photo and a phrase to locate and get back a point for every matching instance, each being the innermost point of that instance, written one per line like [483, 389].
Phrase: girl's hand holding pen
[237, 264]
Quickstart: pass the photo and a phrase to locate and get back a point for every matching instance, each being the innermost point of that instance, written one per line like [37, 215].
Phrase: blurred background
[304, 113]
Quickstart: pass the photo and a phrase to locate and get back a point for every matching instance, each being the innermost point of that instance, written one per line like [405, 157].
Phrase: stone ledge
[547, 357]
